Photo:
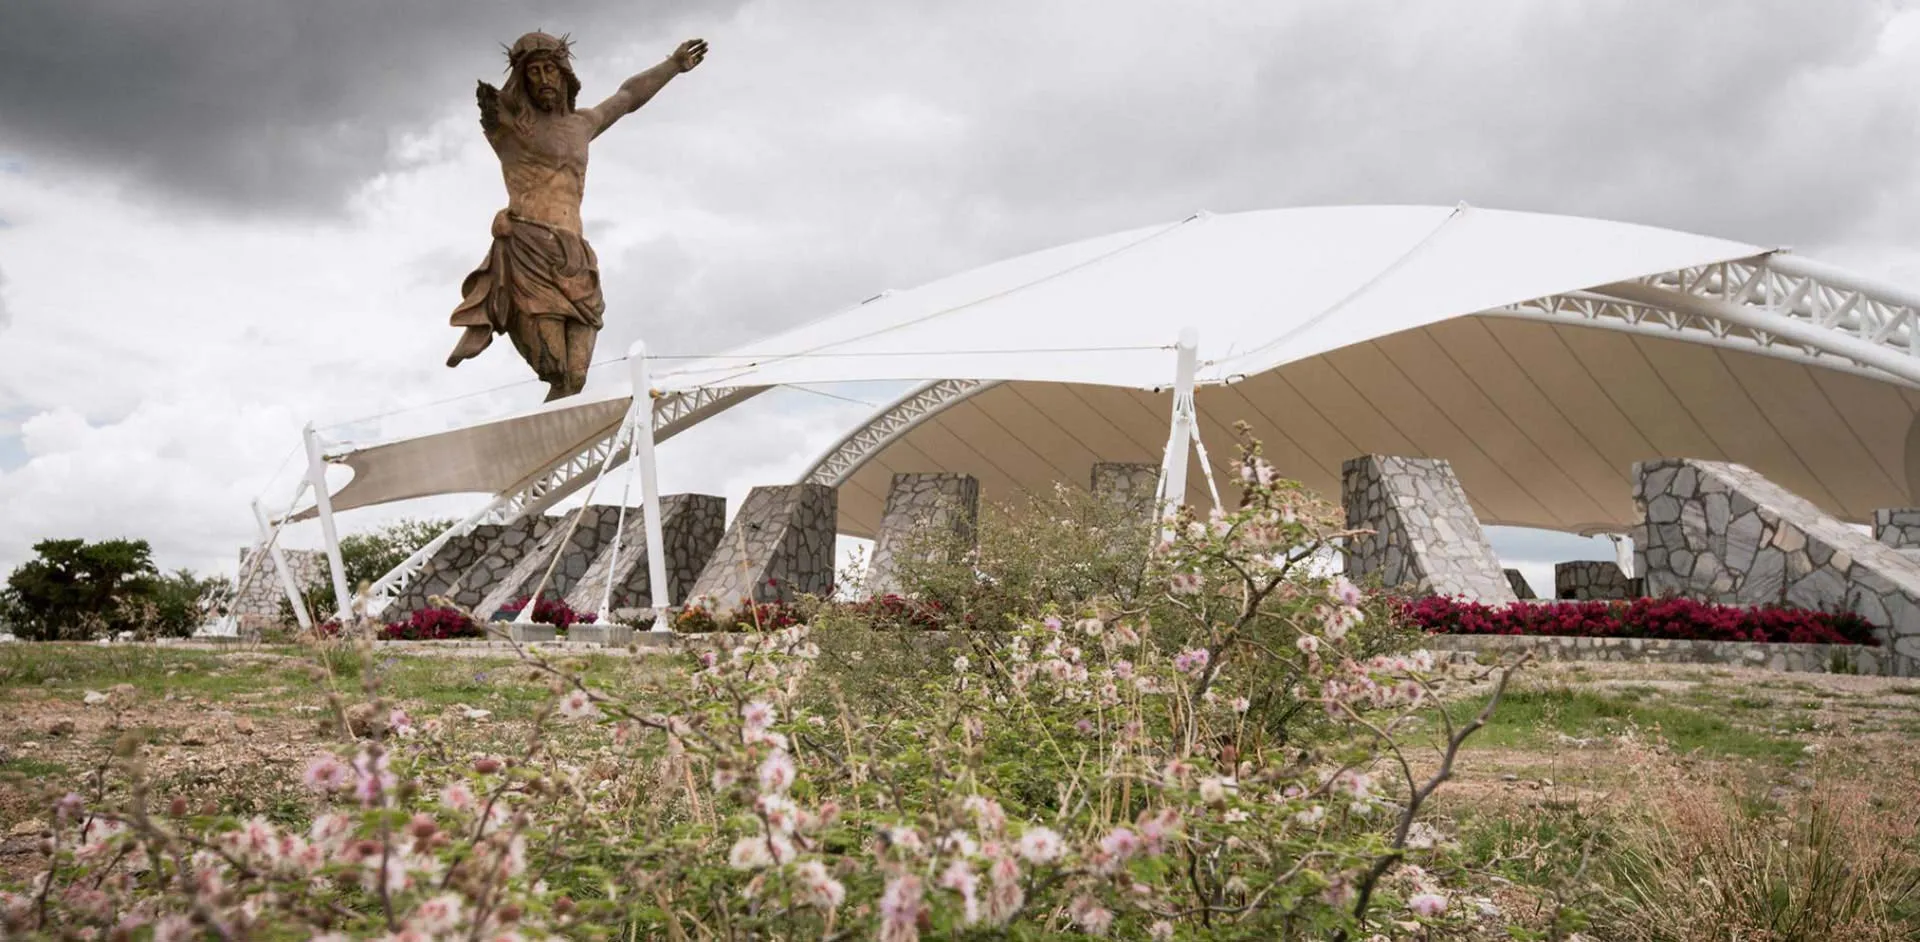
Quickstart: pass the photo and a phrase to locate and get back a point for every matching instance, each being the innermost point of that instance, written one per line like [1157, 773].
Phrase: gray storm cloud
[263, 105]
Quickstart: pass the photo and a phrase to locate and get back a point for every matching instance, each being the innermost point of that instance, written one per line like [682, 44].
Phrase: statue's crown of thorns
[539, 44]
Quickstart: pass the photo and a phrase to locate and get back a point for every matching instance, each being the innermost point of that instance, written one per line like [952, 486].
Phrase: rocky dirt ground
[1572, 744]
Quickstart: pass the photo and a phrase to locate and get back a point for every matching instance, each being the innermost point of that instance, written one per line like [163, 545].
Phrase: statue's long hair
[515, 97]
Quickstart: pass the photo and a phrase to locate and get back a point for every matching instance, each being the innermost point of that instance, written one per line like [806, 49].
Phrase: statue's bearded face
[546, 84]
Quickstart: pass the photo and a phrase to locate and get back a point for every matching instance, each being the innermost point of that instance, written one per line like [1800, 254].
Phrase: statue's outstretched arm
[640, 89]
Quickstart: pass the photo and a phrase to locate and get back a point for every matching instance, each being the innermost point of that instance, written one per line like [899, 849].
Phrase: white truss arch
[1774, 306]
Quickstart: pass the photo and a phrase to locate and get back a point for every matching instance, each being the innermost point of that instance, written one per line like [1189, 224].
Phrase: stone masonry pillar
[691, 525]
[1425, 536]
[924, 512]
[780, 546]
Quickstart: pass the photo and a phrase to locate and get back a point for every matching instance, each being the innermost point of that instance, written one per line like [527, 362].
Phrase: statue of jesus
[540, 283]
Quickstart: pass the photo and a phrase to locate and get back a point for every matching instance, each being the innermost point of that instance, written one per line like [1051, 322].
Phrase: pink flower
[1184, 583]
[437, 915]
[457, 796]
[1192, 661]
[1090, 915]
[756, 716]
[1427, 904]
[1040, 845]
[578, 705]
[759, 852]
[961, 879]
[900, 909]
[400, 722]
[817, 889]
[1160, 931]
[776, 772]
[1344, 592]
[326, 773]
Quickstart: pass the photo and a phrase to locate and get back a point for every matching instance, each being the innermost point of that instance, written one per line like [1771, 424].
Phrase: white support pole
[649, 483]
[270, 543]
[323, 502]
[620, 526]
[1173, 466]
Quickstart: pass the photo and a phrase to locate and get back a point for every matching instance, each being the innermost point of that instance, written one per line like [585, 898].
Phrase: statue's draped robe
[533, 270]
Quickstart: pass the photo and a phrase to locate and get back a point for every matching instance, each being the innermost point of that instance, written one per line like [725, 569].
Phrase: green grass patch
[153, 671]
[33, 768]
[1534, 718]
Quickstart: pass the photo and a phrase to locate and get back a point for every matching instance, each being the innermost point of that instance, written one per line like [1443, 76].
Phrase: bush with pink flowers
[547, 611]
[1090, 772]
[432, 624]
[1670, 618]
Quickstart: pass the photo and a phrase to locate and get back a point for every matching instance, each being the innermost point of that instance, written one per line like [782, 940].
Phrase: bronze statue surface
[540, 282]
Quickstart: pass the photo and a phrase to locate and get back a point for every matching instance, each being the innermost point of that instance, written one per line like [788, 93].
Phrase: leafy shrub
[1083, 772]
[1673, 618]
[547, 611]
[1062, 549]
[701, 617]
[432, 624]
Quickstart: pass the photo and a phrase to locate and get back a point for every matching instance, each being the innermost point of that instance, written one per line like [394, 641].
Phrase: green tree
[77, 590]
[370, 555]
[176, 599]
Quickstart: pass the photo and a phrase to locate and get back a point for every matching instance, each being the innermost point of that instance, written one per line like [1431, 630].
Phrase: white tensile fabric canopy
[1260, 289]
[1541, 354]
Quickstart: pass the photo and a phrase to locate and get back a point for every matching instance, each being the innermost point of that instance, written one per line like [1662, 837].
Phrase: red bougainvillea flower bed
[432, 624]
[555, 612]
[1676, 619]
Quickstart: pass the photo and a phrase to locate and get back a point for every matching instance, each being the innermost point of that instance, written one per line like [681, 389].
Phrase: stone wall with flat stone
[441, 572]
[489, 555]
[1719, 532]
[1425, 536]
[924, 513]
[1589, 579]
[1130, 486]
[576, 547]
[257, 594]
[1518, 583]
[1898, 528]
[780, 546]
[1804, 658]
[690, 528]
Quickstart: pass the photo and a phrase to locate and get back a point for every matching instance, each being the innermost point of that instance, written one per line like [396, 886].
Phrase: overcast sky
[223, 218]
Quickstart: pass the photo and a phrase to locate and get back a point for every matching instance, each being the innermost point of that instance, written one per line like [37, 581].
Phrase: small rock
[61, 728]
[29, 744]
[1534, 785]
[360, 719]
[1509, 777]
[27, 828]
[473, 714]
[195, 736]
[94, 698]
[243, 725]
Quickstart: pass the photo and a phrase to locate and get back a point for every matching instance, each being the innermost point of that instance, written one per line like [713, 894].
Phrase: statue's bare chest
[552, 145]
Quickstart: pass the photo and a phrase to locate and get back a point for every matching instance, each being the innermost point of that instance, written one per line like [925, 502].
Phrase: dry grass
[1703, 861]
